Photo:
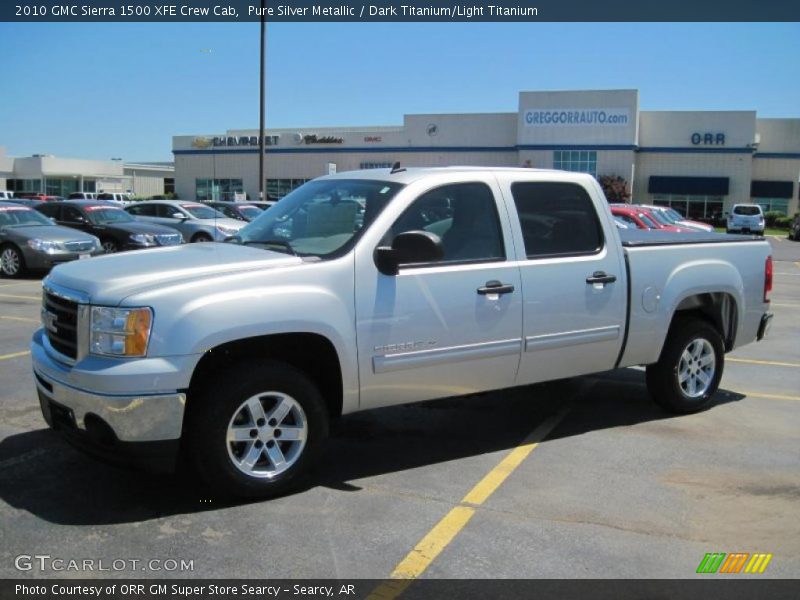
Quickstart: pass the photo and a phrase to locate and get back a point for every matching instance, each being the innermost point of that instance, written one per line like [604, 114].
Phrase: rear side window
[557, 219]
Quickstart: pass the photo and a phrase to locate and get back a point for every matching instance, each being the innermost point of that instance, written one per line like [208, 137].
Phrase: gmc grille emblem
[49, 321]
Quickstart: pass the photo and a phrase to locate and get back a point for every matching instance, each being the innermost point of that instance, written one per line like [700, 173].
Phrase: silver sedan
[197, 222]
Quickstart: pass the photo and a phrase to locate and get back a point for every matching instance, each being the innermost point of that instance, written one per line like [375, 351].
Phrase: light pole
[261, 107]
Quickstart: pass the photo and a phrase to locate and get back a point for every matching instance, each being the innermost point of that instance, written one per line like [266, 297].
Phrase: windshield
[660, 217]
[198, 211]
[648, 221]
[104, 215]
[320, 218]
[251, 212]
[674, 215]
[21, 216]
[746, 210]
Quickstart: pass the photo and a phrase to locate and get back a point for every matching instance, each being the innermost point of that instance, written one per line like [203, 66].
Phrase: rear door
[573, 281]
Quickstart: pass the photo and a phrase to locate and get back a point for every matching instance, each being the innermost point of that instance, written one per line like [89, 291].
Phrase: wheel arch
[312, 353]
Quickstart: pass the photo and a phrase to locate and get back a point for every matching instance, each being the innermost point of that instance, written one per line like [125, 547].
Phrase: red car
[640, 218]
[36, 196]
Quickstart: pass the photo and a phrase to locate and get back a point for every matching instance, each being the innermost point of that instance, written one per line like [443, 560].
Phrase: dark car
[29, 240]
[116, 229]
[243, 211]
[794, 229]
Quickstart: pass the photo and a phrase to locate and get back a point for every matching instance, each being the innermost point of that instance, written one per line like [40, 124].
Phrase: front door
[438, 329]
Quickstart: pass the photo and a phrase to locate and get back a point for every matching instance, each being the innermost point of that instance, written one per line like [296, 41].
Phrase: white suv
[745, 218]
[4, 195]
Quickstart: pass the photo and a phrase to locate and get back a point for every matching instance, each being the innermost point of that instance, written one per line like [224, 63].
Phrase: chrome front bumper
[133, 417]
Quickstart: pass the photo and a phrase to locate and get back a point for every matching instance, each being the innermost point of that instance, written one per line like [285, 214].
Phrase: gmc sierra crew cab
[373, 288]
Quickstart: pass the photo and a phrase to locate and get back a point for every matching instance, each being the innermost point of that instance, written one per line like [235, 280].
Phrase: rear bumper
[763, 328]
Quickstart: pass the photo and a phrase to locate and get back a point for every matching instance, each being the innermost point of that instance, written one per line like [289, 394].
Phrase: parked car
[745, 218]
[36, 196]
[4, 195]
[241, 354]
[196, 221]
[263, 204]
[25, 201]
[241, 211]
[663, 221]
[794, 229]
[621, 224]
[115, 197]
[633, 217]
[673, 217]
[82, 196]
[29, 240]
[116, 229]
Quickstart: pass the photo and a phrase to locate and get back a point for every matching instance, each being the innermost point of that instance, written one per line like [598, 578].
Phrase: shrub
[783, 222]
[771, 216]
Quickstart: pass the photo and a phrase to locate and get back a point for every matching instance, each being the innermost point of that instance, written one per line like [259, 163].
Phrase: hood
[111, 278]
[139, 227]
[51, 233]
[227, 222]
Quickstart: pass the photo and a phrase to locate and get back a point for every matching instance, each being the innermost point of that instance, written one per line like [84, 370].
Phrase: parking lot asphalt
[579, 478]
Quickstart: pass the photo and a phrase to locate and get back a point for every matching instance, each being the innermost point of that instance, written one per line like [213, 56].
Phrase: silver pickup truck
[373, 288]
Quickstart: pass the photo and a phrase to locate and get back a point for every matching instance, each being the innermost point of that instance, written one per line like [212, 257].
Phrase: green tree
[615, 188]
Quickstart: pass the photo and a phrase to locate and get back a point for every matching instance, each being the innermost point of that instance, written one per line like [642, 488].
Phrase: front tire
[12, 263]
[689, 370]
[110, 246]
[256, 431]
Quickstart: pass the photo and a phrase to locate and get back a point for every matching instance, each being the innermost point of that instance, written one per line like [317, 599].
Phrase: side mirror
[179, 216]
[408, 248]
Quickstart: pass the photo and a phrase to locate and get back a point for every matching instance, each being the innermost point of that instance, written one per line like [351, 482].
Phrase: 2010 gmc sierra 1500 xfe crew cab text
[374, 288]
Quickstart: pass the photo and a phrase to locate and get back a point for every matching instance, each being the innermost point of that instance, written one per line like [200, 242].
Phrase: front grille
[80, 246]
[60, 318]
[169, 239]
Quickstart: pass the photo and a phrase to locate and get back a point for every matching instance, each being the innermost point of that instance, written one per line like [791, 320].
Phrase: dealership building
[58, 176]
[701, 162]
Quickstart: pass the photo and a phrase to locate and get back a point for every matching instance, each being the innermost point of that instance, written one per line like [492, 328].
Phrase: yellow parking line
[771, 363]
[786, 304]
[23, 297]
[21, 319]
[437, 539]
[14, 355]
[769, 396]
[7, 285]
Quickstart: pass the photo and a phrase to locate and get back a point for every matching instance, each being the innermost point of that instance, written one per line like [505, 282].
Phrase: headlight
[120, 331]
[46, 246]
[143, 238]
[224, 230]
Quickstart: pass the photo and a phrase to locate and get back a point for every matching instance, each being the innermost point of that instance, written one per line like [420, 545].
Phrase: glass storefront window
[581, 161]
[218, 189]
[773, 204]
[699, 208]
[278, 188]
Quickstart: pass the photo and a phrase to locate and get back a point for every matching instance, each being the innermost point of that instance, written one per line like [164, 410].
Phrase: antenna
[396, 168]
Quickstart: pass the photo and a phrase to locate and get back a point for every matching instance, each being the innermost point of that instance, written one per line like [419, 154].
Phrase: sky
[106, 90]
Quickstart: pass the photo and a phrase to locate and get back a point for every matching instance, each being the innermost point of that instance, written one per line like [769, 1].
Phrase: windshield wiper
[279, 243]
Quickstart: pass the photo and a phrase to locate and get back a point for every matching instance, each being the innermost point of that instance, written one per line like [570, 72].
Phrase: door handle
[495, 287]
[600, 277]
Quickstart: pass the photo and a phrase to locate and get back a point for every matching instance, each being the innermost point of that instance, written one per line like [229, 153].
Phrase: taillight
[767, 278]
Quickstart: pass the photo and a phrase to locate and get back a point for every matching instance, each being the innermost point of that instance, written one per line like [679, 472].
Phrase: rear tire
[12, 263]
[237, 449]
[689, 370]
[202, 237]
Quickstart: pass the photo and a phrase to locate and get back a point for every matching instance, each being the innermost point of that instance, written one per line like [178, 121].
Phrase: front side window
[463, 215]
[72, 215]
[198, 211]
[321, 218]
[143, 210]
[557, 219]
